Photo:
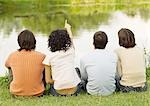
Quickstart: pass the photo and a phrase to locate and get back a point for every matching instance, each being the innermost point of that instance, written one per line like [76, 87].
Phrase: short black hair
[59, 40]
[26, 40]
[100, 40]
[126, 38]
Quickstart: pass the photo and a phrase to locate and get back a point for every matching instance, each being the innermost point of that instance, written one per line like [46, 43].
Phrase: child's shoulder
[39, 53]
[119, 49]
[14, 53]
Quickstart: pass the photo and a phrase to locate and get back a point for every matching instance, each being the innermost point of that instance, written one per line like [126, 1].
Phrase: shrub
[4, 81]
[148, 73]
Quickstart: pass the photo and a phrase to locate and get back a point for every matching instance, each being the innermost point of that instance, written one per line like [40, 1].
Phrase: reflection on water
[84, 25]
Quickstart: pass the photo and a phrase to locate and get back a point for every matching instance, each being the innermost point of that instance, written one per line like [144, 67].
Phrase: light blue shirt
[99, 68]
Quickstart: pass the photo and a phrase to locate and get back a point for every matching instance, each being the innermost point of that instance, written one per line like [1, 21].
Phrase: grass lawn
[117, 99]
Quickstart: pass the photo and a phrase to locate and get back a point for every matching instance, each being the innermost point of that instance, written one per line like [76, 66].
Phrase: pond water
[85, 22]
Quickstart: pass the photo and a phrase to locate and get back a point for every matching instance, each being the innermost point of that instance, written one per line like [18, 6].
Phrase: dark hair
[100, 40]
[59, 40]
[26, 40]
[126, 38]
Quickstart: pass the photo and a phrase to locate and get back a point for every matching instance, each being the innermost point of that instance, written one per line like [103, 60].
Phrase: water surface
[85, 21]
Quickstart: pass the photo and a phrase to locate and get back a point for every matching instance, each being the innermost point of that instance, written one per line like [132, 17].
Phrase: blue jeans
[122, 88]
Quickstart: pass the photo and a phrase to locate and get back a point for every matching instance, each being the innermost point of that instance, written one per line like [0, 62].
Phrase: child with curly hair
[59, 64]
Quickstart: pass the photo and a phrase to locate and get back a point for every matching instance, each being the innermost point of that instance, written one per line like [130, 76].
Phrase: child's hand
[51, 81]
[67, 26]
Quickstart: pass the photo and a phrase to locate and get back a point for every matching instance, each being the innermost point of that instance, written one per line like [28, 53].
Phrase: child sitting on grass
[131, 74]
[59, 63]
[26, 67]
[98, 67]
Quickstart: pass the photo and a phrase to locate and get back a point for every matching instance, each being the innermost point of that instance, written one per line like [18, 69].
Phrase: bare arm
[48, 75]
[10, 75]
[68, 28]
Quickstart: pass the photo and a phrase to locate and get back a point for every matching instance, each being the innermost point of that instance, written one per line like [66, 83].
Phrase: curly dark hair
[59, 40]
[26, 40]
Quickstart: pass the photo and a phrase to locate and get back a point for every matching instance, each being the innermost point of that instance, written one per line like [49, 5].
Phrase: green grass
[116, 99]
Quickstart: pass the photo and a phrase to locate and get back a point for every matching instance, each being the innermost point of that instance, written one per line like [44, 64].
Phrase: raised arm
[68, 28]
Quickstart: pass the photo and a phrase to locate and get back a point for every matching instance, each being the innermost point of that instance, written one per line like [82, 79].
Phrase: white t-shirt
[63, 71]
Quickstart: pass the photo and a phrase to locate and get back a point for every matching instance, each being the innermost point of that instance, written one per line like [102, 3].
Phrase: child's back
[131, 63]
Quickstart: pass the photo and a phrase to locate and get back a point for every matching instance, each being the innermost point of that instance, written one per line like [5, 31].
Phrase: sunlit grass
[83, 99]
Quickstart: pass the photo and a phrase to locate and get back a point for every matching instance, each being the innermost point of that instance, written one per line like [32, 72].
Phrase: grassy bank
[116, 99]
[77, 1]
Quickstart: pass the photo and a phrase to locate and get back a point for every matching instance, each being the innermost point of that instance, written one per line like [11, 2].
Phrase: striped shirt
[27, 69]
